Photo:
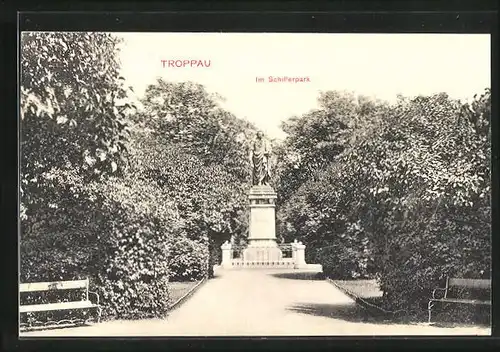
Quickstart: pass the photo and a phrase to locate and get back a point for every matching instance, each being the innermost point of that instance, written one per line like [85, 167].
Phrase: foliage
[73, 109]
[319, 136]
[61, 241]
[187, 115]
[135, 283]
[188, 260]
[85, 214]
[408, 198]
[317, 216]
[73, 132]
[120, 245]
[432, 218]
[313, 188]
[198, 154]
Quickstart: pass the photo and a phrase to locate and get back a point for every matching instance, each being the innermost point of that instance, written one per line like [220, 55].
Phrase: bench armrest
[97, 296]
[436, 290]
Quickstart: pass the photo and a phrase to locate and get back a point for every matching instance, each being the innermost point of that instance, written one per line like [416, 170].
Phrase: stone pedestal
[262, 251]
[262, 231]
[299, 255]
[226, 255]
[262, 244]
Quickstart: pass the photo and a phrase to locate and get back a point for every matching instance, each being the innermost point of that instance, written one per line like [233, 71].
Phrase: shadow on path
[347, 311]
[356, 314]
[300, 276]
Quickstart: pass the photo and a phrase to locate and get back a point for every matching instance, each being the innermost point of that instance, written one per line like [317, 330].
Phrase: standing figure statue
[260, 154]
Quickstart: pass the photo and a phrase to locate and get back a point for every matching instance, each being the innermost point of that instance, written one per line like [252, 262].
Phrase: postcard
[254, 184]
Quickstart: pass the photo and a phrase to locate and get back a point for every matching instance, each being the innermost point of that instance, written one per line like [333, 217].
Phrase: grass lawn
[455, 315]
[370, 297]
[366, 289]
[179, 289]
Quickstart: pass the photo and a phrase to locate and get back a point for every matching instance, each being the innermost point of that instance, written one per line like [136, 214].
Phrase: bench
[454, 283]
[85, 303]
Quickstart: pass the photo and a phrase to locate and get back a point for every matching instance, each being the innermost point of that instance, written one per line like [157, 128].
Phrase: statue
[260, 154]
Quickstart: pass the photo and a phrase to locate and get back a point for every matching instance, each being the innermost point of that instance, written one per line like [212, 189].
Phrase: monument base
[262, 254]
[262, 250]
[267, 256]
[262, 243]
[262, 226]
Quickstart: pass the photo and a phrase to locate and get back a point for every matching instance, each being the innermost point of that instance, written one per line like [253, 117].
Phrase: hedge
[188, 260]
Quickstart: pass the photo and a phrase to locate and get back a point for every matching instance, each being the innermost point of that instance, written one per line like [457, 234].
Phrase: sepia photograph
[254, 184]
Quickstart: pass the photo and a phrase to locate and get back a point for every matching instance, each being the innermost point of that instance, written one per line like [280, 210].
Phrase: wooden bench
[454, 283]
[85, 303]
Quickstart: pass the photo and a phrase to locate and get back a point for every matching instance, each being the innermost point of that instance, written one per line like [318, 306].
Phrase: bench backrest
[55, 285]
[469, 283]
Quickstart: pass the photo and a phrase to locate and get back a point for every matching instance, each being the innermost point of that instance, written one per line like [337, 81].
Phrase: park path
[262, 302]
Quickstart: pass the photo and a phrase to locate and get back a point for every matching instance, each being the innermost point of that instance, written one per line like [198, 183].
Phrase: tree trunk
[215, 255]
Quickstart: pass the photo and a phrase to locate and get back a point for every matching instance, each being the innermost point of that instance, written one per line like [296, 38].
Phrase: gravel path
[262, 302]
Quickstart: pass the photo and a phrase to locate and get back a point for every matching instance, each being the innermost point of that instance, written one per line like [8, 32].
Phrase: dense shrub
[428, 220]
[63, 239]
[135, 282]
[142, 221]
[333, 237]
[409, 197]
[123, 253]
[332, 240]
[115, 233]
[107, 190]
[188, 260]
[342, 262]
[319, 190]
[197, 153]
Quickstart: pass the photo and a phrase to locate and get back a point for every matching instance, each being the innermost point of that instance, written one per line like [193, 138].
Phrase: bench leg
[429, 309]
[99, 311]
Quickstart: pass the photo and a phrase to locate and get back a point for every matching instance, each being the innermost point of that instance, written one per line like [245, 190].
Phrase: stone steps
[282, 264]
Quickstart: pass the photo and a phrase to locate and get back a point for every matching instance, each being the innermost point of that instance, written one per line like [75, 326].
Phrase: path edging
[179, 302]
[358, 300]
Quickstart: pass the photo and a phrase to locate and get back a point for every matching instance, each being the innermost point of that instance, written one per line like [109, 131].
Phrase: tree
[428, 219]
[198, 155]
[411, 202]
[73, 106]
[186, 114]
[73, 129]
[83, 214]
[319, 136]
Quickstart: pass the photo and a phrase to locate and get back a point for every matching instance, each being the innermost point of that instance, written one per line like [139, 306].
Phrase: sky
[378, 65]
